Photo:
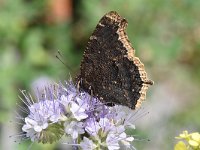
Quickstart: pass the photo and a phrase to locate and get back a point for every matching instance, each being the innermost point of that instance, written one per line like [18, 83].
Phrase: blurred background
[165, 34]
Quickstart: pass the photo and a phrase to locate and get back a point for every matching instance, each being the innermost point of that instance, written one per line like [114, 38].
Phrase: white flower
[65, 100]
[83, 103]
[77, 111]
[117, 135]
[126, 141]
[33, 128]
[92, 127]
[106, 124]
[74, 128]
[112, 143]
[87, 144]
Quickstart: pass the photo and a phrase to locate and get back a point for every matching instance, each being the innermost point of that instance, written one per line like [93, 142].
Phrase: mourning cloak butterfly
[109, 68]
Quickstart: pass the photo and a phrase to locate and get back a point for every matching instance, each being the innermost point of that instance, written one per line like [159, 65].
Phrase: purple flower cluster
[64, 110]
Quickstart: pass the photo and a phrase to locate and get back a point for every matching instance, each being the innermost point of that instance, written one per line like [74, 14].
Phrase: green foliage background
[165, 34]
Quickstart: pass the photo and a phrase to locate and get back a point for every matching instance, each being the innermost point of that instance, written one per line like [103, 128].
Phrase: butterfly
[109, 69]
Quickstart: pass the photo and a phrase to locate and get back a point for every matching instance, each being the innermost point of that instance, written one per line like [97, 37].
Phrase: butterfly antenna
[59, 56]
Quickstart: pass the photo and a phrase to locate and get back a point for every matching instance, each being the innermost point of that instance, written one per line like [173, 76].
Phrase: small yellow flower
[196, 136]
[180, 146]
[195, 140]
[184, 135]
[192, 141]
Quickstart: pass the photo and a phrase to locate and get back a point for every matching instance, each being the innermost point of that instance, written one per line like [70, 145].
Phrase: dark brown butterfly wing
[109, 67]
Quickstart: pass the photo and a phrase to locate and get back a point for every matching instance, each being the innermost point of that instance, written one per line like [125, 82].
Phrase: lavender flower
[106, 134]
[87, 144]
[74, 128]
[43, 117]
[63, 110]
[78, 112]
